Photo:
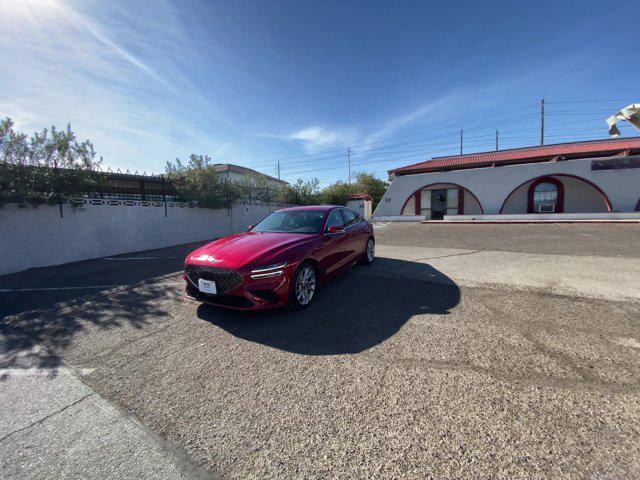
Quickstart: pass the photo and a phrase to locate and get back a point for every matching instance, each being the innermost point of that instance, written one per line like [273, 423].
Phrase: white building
[582, 177]
[238, 174]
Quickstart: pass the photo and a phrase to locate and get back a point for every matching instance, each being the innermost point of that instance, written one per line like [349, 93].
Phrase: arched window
[546, 195]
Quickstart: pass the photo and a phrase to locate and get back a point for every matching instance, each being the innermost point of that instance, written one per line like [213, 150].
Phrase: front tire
[303, 286]
[369, 252]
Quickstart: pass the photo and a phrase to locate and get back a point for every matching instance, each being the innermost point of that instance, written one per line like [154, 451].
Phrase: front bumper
[251, 294]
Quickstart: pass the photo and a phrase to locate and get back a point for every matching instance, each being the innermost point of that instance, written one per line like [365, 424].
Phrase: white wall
[471, 205]
[37, 237]
[493, 184]
[244, 215]
[518, 201]
[579, 197]
[363, 207]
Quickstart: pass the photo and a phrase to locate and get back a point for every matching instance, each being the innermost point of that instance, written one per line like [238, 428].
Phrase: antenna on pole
[278, 169]
[349, 160]
[497, 134]
[461, 139]
[542, 121]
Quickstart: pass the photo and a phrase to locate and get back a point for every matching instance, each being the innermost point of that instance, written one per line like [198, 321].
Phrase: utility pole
[542, 121]
[497, 139]
[349, 160]
[461, 137]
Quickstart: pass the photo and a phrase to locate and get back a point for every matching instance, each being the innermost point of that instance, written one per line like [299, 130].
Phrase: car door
[335, 249]
[356, 230]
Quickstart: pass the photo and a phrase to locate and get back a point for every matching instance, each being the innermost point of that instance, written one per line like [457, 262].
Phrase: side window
[350, 216]
[335, 219]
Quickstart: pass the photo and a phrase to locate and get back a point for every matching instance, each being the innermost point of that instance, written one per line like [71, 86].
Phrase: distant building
[361, 203]
[236, 174]
[581, 177]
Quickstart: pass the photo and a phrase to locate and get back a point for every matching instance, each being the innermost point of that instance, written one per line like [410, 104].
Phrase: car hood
[238, 250]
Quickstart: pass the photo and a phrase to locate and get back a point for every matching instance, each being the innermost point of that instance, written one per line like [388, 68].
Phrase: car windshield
[292, 221]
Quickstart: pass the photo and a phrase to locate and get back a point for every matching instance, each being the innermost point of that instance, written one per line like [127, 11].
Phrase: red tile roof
[522, 155]
[360, 196]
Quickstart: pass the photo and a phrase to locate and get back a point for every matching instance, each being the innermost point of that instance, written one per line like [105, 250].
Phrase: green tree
[300, 193]
[47, 167]
[368, 183]
[338, 193]
[199, 183]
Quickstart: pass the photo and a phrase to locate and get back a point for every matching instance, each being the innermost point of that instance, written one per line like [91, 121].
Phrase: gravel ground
[404, 369]
[603, 240]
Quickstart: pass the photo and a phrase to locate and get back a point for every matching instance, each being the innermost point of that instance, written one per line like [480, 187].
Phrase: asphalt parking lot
[479, 351]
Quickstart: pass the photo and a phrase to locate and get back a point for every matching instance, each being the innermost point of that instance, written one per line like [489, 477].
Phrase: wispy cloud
[433, 112]
[317, 138]
[86, 63]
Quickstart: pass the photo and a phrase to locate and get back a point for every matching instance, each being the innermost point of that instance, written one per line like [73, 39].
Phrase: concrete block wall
[37, 237]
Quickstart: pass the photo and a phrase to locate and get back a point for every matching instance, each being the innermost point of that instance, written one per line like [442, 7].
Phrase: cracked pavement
[462, 352]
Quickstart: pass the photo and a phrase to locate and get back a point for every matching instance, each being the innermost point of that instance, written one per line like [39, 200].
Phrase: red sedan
[281, 260]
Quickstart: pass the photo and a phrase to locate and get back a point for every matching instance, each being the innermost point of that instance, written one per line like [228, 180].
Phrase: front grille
[225, 300]
[226, 280]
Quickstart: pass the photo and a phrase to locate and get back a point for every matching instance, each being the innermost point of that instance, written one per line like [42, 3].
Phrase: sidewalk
[52, 425]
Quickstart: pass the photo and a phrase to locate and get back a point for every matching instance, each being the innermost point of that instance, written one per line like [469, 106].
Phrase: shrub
[45, 168]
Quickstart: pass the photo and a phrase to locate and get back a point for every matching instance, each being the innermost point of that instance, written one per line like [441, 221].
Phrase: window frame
[559, 204]
[356, 218]
[326, 222]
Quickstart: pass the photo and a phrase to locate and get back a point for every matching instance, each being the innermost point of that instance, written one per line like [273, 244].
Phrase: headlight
[268, 271]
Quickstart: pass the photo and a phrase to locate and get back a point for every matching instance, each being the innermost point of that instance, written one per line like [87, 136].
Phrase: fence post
[142, 196]
[164, 196]
[57, 184]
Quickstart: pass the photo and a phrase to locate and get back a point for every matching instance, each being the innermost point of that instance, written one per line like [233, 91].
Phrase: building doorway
[448, 199]
[438, 204]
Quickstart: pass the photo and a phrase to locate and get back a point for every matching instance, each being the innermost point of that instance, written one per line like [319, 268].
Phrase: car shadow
[356, 311]
[21, 292]
[48, 306]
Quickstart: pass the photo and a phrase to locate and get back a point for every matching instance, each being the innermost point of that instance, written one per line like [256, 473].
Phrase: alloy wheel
[305, 285]
[370, 250]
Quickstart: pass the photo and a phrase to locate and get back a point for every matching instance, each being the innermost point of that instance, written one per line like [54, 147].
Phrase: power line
[385, 139]
[390, 149]
[593, 101]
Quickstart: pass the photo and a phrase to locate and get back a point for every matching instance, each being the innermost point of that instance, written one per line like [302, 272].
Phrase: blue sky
[252, 82]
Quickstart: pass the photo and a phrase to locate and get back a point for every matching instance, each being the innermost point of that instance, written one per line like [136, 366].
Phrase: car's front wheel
[369, 252]
[303, 286]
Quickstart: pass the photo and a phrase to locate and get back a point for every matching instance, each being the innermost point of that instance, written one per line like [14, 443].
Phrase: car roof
[323, 208]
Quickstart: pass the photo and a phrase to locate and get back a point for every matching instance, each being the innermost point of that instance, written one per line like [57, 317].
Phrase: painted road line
[52, 289]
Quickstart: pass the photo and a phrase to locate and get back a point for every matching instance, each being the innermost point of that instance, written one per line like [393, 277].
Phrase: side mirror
[333, 230]
[249, 228]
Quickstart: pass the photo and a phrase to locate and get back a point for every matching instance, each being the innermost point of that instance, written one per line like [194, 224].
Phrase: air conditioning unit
[547, 208]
